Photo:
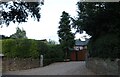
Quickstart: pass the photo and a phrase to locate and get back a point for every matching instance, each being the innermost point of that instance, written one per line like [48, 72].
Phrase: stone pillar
[41, 60]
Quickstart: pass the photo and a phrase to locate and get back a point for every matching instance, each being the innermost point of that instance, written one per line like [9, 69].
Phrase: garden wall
[19, 64]
[103, 67]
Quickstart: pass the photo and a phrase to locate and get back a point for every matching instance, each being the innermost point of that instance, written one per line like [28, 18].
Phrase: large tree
[19, 11]
[19, 34]
[66, 37]
[101, 21]
[98, 18]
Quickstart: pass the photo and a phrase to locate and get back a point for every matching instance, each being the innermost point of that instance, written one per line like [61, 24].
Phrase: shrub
[0, 46]
[21, 48]
[55, 54]
[105, 47]
[28, 48]
[8, 48]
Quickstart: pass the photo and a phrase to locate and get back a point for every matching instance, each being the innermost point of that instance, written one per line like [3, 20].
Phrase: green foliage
[8, 48]
[28, 48]
[19, 34]
[55, 54]
[66, 37]
[52, 42]
[4, 37]
[21, 48]
[105, 47]
[43, 47]
[33, 50]
[98, 19]
[19, 11]
[0, 46]
[101, 21]
[55, 51]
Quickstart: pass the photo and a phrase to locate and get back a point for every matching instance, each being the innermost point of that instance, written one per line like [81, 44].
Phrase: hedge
[0, 46]
[107, 46]
[21, 48]
[29, 48]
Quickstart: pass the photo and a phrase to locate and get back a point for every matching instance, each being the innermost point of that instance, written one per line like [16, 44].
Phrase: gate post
[41, 60]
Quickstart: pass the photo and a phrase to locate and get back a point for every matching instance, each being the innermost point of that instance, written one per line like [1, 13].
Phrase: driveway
[59, 68]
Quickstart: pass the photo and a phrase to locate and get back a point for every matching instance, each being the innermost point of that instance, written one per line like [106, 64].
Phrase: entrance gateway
[80, 50]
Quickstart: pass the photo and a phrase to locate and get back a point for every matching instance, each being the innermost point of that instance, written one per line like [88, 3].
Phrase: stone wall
[102, 67]
[0, 64]
[19, 64]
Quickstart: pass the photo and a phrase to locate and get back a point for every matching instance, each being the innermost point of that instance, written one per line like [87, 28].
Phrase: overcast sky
[48, 26]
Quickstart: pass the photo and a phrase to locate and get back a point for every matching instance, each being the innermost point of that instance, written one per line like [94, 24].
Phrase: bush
[21, 48]
[28, 48]
[8, 47]
[55, 54]
[0, 46]
[105, 47]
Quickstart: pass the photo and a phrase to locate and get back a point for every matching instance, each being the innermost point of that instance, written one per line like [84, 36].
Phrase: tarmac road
[59, 68]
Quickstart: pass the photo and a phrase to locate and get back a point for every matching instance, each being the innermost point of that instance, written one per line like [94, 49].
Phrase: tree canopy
[19, 11]
[98, 18]
[19, 34]
[101, 21]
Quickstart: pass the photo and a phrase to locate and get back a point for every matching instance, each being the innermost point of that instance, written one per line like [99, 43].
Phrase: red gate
[78, 55]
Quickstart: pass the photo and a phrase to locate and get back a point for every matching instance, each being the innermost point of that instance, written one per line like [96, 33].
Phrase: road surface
[60, 68]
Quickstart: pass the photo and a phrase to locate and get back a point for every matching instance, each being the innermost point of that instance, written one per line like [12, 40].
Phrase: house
[44, 41]
[80, 49]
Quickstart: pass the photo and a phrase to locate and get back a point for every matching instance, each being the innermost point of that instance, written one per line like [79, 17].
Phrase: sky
[48, 26]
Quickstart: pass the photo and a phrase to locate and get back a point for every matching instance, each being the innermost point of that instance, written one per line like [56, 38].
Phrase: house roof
[80, 42]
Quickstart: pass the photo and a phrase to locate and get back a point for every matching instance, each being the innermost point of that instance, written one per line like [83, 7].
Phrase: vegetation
[101, 21]
[0, 46]
[19, 34]
[4, 37]
[18, 11]
[66, 38]
[55, 54]
[28, 48]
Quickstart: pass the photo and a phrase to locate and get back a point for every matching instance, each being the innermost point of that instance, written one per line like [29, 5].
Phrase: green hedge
[28, 48]
[21, 48]
[0, 46]
[55, 54]
[107, 46]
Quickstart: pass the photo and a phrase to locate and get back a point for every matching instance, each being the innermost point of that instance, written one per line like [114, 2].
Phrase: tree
[19, 34]
[52, 42]
[4, 37]
[19, 11]
[98, 19]
[66, 38]
[101, 21]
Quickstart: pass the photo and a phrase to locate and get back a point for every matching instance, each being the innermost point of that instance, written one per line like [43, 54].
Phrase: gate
[78, 55]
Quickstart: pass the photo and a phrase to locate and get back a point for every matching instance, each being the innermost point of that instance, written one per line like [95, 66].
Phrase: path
[60, 68]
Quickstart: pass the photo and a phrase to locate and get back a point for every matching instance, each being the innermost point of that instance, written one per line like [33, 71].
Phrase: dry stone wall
[103, 67]
[19, 64]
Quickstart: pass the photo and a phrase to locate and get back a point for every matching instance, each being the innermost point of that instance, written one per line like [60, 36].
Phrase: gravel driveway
[59, 68]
